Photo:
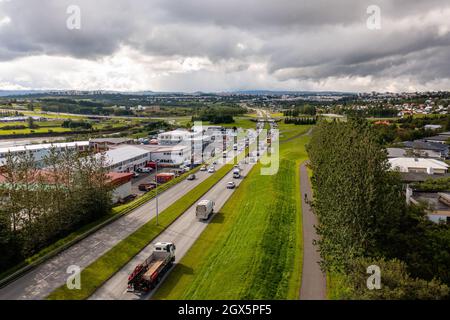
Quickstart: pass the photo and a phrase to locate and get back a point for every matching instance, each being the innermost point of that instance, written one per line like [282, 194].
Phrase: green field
[107, 265]
[239, 122]
[34, 131]
[253, 247]
[277, 115]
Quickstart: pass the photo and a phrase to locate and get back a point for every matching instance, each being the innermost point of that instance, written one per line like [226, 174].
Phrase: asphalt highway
[40, 282]
[183, 233]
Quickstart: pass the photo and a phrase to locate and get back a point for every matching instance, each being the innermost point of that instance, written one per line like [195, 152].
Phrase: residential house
[419, 165]
[427, 149]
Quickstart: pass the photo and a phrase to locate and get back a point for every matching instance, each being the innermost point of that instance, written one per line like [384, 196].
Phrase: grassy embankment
[253, 247]
[107, 265]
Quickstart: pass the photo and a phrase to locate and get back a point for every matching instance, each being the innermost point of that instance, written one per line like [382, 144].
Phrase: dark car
[147, 186]
[127, 199]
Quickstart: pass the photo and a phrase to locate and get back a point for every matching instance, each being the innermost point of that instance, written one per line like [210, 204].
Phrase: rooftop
[123, 153]
[111, 140]
[396, 152]
[437, 138]
[417, 163]
[423, 145]
[45, 146]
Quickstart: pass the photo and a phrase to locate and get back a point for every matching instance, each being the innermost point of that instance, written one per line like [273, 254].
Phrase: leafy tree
[40, 206]
[396, 282]
[355, 194]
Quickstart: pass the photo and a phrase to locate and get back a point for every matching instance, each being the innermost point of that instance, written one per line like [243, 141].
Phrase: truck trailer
[148, 274]
[205, 209]
[164, 177]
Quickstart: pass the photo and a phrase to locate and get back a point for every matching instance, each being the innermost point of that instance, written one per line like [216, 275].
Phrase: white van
[205, 209]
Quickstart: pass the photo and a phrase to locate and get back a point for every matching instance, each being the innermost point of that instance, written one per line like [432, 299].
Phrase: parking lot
[145, 178]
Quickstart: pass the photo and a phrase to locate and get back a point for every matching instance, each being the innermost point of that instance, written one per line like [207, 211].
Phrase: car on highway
[231, 185]
[204, 168]
[191, 177]
[211, 170]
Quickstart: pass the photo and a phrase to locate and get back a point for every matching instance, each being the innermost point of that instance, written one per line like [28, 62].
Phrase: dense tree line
[73, 124]
[374, 111]
[393, 133]
[301, 120]
[433, 185]
[301, 110]
[38, 207]
[218, 114]
[4, 114]
[66, 105]
[363, 216]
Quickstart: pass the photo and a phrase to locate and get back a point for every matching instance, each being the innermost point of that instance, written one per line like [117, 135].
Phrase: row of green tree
[364, 219]
[218, 114]
[301, 120]
[379, 111]
[73, 124]
[40, 207]
[301, 110]
[393, 133]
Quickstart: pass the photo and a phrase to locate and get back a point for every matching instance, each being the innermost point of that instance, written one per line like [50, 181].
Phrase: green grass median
[97, 273]
[253, 247]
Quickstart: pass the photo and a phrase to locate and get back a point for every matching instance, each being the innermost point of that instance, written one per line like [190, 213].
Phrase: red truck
[164, 177]
[148, 274]
[151, 165]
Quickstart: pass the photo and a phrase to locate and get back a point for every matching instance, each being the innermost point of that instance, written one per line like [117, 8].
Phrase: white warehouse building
[126, 158]
[40, 151]
[129, 158]
[183, 137]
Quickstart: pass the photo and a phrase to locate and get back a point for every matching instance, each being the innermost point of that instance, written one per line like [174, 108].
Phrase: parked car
[127, 199]
[146, 170]
[135, 175]
[191, 177]
[231, 185]
[146, 187]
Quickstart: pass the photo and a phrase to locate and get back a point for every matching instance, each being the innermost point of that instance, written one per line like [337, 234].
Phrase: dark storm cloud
[295, 39]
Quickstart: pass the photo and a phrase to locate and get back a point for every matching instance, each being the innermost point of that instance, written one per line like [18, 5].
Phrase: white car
[146, 170]
[203, 168]
[231, 185]
[212, 170]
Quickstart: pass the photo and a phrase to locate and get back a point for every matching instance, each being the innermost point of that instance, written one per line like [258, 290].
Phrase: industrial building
[40, 151]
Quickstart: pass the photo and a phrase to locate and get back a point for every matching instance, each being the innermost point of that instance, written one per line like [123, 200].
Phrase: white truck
[148, 274]
[205, 209]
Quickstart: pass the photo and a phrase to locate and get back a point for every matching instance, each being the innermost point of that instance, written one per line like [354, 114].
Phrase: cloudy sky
[223, 45]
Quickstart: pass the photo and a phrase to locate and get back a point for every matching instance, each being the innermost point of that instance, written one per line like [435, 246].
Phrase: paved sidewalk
[313, 280]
